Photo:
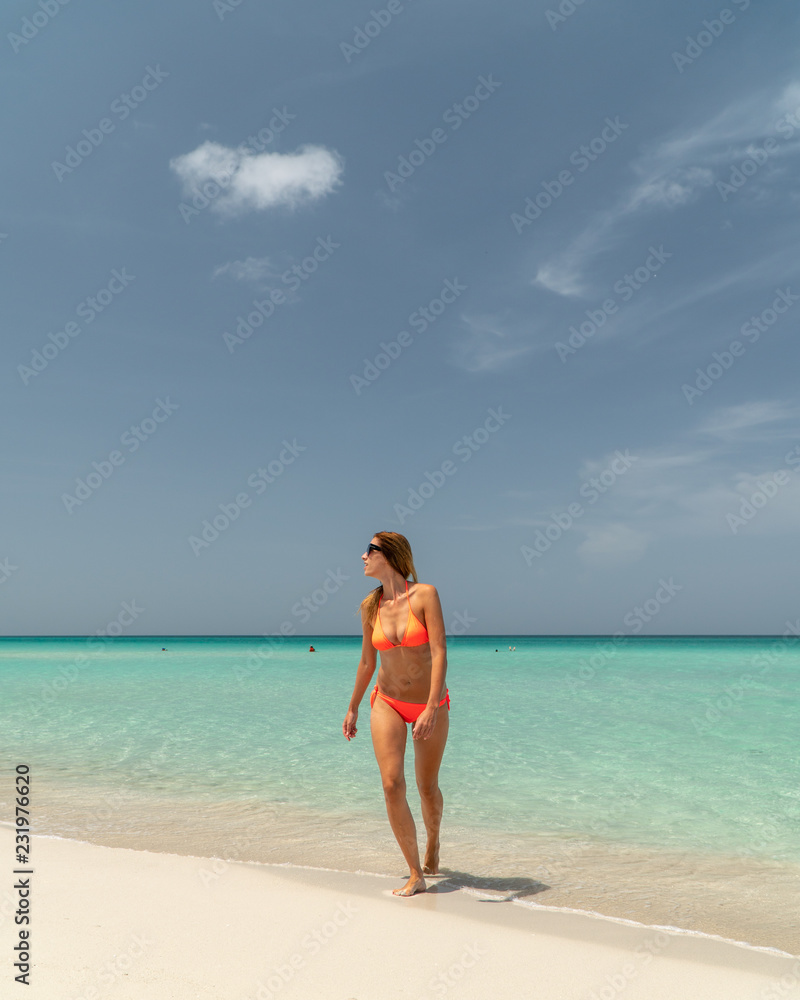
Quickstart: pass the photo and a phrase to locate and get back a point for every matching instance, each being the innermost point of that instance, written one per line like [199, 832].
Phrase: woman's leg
[389, 743]
[427, 759]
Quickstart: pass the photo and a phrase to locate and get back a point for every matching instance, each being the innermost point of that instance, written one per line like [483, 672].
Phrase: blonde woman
[406, 625]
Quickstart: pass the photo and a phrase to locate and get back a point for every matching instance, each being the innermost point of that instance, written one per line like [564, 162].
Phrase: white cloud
[258, 181]
[252, 270]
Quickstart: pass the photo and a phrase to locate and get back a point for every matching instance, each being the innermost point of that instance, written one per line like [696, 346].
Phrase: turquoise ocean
[673, 757]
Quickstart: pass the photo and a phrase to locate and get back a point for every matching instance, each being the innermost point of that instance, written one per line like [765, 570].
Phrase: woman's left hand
[424, 726]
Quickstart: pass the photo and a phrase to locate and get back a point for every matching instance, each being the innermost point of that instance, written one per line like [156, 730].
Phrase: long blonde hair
[397, 552]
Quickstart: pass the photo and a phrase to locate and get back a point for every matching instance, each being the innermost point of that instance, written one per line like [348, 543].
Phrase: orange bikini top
[415, 634]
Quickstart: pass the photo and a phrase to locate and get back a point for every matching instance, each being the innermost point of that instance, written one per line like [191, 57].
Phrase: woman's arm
[434, 623]
[366, 668]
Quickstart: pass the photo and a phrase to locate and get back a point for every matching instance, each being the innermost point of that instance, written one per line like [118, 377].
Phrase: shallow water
[656, 779]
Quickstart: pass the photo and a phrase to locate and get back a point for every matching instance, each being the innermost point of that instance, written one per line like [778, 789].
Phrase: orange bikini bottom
[409, 711]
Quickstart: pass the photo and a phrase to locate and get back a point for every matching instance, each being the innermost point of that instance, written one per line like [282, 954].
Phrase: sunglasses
[373, 548]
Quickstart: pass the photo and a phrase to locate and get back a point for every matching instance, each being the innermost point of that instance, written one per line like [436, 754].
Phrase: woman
[406, 625]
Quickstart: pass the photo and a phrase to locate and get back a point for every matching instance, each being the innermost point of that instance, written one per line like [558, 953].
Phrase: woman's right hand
[349, 724]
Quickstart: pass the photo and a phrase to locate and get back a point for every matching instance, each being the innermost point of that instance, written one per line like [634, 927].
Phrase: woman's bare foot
[431, 864]
[413, 886]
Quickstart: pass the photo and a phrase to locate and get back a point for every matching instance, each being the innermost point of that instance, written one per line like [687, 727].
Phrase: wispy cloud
[678, 491]
[491, 343]
[258, 181]
[613, 543]
[674, 491]
[669, 190]
[759, 421]
[673, 173]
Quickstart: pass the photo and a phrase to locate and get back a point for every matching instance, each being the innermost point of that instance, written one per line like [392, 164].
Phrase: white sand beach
[135, 925]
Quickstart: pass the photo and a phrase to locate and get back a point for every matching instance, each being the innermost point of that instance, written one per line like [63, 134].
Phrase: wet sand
[745, 899]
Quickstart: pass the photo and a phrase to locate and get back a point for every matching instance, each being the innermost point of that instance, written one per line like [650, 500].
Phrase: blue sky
[517, 280]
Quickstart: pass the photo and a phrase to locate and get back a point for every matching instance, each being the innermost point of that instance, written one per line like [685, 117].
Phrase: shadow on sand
[514, 888]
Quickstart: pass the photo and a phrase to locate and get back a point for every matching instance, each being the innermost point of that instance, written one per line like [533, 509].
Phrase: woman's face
[373, 561]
